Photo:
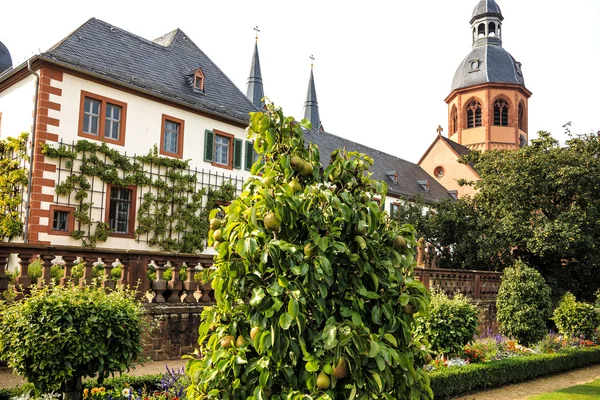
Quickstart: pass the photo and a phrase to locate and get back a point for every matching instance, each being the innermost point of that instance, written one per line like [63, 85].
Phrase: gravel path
[522, 391]
[7, 379]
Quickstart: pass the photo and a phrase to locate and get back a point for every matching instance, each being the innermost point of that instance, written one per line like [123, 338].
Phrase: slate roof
[165, 66]
[311, 105]
[254, 87]
[408, 173]
[5, 58]
[458, 148]
[496, 65]
[486, 7]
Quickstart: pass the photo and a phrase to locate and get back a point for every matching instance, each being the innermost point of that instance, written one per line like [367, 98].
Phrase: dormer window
[199, 80]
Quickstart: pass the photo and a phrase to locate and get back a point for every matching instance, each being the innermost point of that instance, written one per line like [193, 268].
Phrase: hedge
[454, 381]
[150, 382]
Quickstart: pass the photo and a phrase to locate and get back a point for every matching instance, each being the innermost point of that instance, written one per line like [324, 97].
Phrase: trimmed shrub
[450, 323]
[524, 304]
[575, 318]
[61, 334]
[449, 382]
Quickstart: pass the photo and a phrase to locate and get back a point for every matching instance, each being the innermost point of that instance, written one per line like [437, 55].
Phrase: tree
[57, 335]
[523, 303]
[543, 200]
[313, 282]
[456, 231]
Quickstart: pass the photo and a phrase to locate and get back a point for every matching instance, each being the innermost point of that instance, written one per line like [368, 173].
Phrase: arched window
[521, 117]
[481, 31]
[473, 114]
[453, 121]
[492, 29]
[501, 113]
[199, 80]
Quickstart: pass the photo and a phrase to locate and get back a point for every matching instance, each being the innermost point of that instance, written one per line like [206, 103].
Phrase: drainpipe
[29, 183]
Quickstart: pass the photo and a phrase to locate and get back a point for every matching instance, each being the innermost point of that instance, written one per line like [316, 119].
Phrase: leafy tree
[457, 232]
[523, 303]
[57, 335]
[313, 283]
[543, 201]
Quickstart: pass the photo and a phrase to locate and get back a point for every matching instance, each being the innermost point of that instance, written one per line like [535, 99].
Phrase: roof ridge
[216, 67]
[365, 146]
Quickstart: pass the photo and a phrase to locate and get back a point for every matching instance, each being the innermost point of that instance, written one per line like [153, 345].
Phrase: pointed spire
[254, 90]
[311, 106]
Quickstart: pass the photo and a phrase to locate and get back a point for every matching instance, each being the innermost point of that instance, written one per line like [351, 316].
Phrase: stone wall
[172, 330]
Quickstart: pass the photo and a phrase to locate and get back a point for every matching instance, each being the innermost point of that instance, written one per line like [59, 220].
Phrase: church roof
[486, 7]
[403, 184]
[458, 148]
[5, 58]
[164, 67]
[255, 91]
[311, 105]
[488, 63]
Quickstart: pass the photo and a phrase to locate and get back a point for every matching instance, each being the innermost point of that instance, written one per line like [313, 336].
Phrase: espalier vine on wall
[13, 178]
[170, 212]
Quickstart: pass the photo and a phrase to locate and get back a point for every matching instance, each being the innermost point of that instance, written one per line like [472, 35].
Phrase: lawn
[588, 391]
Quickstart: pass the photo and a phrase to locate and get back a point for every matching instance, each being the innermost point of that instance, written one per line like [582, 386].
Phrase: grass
[588, 391]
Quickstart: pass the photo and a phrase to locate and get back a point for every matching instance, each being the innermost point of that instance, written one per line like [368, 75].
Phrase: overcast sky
[382, 68]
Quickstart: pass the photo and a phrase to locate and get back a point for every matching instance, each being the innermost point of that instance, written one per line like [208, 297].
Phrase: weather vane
[312, 61]
[257, 30]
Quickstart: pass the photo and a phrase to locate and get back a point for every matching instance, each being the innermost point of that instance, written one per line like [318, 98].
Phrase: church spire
[486, 23]
[254, 90]
[311, 106]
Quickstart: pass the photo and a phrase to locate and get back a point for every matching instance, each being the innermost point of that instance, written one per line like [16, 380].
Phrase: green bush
[59, 334]
[450, 382]
[150, 382]
[524, 304]
[450, 323]
[574, 318]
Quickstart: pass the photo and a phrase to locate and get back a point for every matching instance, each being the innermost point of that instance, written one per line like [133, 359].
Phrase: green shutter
[237, 153]
[249, 155]
[209, 145]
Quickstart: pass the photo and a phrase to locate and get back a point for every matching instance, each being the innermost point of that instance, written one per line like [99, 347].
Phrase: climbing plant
[171, 211]
[313, 282]
[13, 179]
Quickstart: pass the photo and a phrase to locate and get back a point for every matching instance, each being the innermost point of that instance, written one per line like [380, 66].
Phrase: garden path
[7, 379]
[522, 391]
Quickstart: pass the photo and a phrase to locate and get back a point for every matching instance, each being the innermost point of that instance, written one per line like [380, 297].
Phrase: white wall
[16, 106]
[143, 126]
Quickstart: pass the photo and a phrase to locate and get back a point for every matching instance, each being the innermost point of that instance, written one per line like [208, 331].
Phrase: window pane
[113, 121]
[91, 113]
[120, 209]
[171, 137]
[222, 150]
[60, 221]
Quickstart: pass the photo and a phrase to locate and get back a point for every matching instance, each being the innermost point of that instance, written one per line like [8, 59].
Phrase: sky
[382, 68]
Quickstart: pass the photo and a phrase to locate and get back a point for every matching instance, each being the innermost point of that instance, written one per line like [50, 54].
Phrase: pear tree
[313, 282]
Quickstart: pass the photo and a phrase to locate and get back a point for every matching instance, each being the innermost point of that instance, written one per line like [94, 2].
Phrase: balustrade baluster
[159, 285]
[4, 256]
[190, 285]
[175, 285]
[46, 261]
[70, 261]
[87, 271]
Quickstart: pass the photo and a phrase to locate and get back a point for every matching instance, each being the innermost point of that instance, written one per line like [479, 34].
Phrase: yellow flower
[86, 392]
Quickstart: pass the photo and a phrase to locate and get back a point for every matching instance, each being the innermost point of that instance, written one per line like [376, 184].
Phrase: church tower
[254, 86]
[311, 106]
[488, 104]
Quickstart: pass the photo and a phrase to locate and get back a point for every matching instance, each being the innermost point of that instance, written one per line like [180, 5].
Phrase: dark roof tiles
[488, 63]
[159, 66]
[405, 185]
[5, 58]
